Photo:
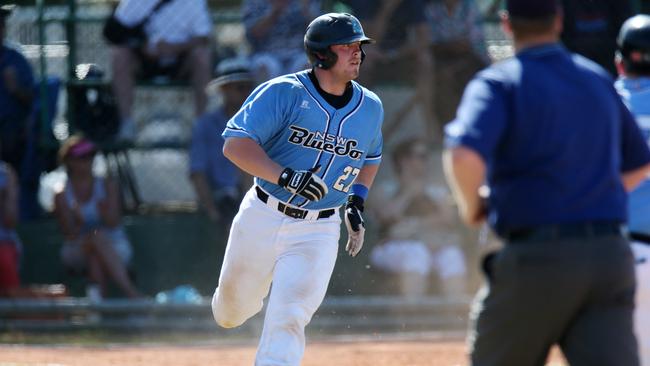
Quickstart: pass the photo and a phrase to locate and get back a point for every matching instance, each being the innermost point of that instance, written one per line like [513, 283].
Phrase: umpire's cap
[634, 44]
[330, 29]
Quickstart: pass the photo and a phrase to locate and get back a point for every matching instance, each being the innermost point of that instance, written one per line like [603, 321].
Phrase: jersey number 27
[342, 184]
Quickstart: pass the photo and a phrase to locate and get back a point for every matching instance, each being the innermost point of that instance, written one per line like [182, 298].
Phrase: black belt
[296, 213]
[565, 231]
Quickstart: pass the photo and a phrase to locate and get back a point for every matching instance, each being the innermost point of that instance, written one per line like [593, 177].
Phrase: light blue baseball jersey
[636, 95]
[297, 128]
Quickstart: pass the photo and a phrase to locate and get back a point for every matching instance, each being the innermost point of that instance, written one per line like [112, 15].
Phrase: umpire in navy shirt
[547, 133]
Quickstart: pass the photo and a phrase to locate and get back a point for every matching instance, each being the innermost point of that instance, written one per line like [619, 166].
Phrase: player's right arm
[265, 112]
[251, 158]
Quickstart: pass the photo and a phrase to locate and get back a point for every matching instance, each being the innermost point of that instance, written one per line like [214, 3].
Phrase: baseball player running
[633, 64]
[313, 141]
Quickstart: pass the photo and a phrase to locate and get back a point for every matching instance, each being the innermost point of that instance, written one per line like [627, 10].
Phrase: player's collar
[336, 101]
[541, 49]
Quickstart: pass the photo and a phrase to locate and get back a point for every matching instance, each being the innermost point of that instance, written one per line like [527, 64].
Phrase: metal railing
[354, 314]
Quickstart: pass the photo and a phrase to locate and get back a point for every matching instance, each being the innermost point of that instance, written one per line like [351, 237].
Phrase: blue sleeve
[481, 118]
[376, 146]
[635, 152]
[199, 146]
[262, 115]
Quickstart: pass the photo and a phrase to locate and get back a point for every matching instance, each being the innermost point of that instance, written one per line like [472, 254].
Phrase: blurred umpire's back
[551, 137]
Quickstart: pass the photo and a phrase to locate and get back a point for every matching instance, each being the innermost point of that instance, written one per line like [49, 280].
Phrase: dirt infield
[340, 353]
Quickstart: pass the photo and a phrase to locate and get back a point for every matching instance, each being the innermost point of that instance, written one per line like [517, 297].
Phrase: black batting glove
[304, 183]
[355, 225]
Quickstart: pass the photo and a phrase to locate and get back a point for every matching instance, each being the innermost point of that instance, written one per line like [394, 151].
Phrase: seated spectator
[88, 212]
[591, 26]
[217, 182]
[177, 47]
[419, 247]
[275, 30]
[16, 96]
[458, 49]
[402, 34]
[9, 243]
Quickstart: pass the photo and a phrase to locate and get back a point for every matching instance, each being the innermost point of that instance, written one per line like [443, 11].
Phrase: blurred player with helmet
[313, 141]
[633, 84]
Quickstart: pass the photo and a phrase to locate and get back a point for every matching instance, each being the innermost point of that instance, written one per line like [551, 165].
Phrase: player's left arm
[355, 206]
[367, 175]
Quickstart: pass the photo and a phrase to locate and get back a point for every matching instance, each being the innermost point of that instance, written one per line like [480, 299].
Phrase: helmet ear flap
[322, 58]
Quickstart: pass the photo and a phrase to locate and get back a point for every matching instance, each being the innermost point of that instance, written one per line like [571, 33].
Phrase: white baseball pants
[297, 256]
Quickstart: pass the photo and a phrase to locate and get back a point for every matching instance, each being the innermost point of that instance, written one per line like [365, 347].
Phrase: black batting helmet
[330, 29]
[634, 44]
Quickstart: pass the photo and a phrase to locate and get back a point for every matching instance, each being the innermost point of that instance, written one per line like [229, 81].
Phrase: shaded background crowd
[113, 182]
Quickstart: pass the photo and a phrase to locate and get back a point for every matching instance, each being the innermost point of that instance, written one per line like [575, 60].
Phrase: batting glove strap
[286, 174]
[356, 201]
[353, 210]
[303, 183]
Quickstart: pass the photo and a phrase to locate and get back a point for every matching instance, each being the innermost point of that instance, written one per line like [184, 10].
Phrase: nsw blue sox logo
[326, 142]
[333, 144]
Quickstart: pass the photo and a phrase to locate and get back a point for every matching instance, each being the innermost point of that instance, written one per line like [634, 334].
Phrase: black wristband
[286, 174]
[356, 201]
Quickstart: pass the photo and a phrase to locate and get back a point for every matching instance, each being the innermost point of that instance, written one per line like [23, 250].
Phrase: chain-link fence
[63, 36]
[163, 114]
